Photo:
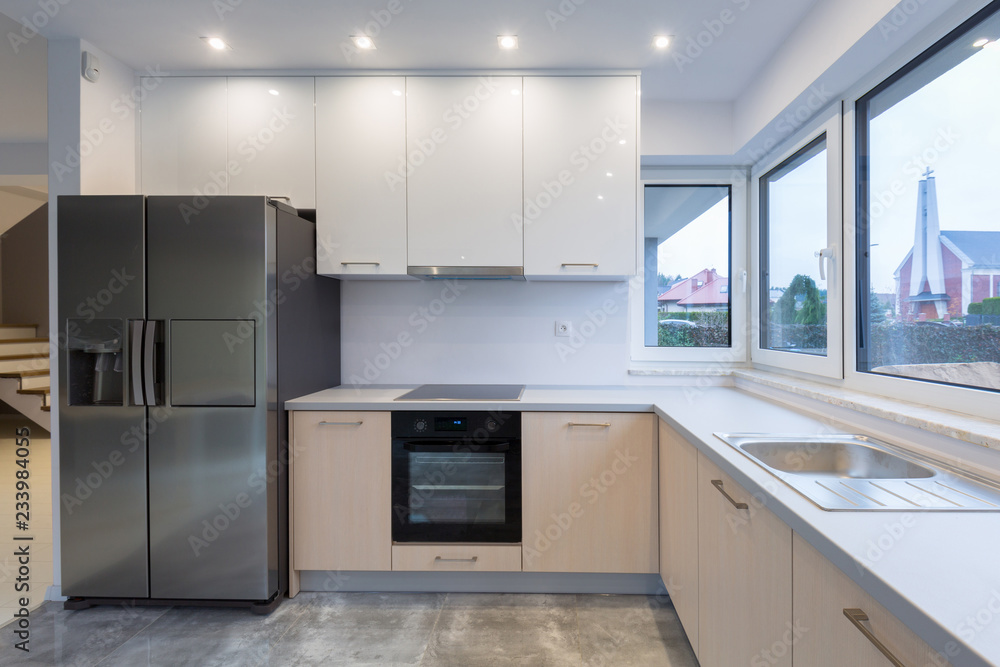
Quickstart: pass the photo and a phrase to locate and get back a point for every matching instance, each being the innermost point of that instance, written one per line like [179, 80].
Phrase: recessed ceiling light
[507, 41]
[623, 142]
[600, 196]
[273, 91]
[397, 93]
[661, 41]
[981, 42]
[363, 42]
[609, 174]
[515, 91]
[216, 43]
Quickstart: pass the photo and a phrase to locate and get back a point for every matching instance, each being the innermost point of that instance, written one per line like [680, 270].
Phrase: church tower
[927, 290]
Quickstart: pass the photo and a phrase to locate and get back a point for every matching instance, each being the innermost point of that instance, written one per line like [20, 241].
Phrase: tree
[813, 310]
[876, 310]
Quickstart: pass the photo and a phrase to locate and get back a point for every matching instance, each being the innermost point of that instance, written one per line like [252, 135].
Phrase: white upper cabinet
[361, 176]
[463, 166]
[272, 138]
[183, 137]
[580, 162]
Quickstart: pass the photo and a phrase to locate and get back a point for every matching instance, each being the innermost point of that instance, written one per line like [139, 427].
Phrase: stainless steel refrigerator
[185, 324]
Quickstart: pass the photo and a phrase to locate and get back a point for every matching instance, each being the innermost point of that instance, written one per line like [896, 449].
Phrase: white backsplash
[415, 332]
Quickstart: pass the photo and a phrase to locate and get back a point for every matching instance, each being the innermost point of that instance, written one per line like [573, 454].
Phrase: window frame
[830, 124]
[724, 358]
[964, 400]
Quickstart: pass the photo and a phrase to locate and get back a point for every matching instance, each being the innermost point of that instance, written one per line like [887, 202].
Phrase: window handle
[825, 253]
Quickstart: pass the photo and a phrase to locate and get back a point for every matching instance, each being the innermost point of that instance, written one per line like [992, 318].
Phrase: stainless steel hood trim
[466, 272]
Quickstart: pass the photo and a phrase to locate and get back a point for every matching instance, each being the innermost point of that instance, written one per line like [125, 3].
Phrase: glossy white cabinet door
[183, 137]
[272, 138]
[360, 176]
[580, 142]
[463, 148]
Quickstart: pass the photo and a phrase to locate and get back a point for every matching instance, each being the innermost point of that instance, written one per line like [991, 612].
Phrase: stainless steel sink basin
[834, 459]
[855, 472]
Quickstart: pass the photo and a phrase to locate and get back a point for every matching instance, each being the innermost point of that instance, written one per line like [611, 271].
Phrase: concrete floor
[460, 629]
[39, 511]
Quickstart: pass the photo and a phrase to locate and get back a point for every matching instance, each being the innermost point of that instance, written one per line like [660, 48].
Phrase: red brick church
[945, 271]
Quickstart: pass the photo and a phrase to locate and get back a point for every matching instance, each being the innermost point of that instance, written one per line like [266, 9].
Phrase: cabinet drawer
[456, 557]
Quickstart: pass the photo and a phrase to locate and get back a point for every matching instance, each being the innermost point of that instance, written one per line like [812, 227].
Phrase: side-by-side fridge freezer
[183, 329]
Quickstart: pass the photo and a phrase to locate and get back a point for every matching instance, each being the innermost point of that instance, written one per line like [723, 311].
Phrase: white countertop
[938, 572]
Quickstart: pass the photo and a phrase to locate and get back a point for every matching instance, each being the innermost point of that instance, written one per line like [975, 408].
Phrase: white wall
[108, 125]
[483, 331]
[686, 128]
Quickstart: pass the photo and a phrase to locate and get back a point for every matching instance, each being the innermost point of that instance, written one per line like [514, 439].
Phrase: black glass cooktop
[464, 392]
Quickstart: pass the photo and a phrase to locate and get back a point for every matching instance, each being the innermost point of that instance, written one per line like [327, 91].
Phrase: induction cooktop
[464, 392]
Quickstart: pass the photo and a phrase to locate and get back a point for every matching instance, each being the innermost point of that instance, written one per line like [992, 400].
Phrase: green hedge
[988, 306]
[796, 336]
[895, 343]
[712, 330]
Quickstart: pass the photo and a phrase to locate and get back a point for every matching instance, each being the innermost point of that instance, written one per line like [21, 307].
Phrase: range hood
[466, 272]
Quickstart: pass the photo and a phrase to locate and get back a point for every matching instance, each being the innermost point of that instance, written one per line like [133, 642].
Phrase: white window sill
[974, 430]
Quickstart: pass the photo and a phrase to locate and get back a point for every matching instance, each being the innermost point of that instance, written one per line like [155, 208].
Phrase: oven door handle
[455, 446]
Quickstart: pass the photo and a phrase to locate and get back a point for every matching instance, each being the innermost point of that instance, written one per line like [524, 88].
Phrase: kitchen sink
[844, 472]
[834, 459]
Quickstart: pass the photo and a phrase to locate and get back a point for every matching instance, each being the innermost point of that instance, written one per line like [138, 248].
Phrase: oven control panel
[473, 425]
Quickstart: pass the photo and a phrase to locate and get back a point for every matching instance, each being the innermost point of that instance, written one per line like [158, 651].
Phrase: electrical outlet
[563, 327]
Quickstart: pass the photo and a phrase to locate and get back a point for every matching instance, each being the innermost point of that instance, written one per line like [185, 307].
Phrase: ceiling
[443, 34]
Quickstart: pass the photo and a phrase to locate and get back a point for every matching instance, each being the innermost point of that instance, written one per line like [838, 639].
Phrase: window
[928, 253]
[798, 230]
[687, 238]
[793, 223]
[686, 306]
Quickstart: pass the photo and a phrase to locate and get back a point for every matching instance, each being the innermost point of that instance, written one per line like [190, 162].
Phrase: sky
[951, 125]
[701, 244]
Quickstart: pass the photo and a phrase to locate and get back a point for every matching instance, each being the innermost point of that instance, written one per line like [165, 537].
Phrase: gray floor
[365, 629]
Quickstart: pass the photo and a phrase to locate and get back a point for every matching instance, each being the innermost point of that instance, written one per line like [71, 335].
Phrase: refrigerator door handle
[135, 361]
[149, 363]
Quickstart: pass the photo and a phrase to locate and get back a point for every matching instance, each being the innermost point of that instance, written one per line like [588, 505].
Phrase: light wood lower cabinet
[745, 575]
[679, 527]
[823, 634]
[340, 491]
[456, 557]
[589, 492]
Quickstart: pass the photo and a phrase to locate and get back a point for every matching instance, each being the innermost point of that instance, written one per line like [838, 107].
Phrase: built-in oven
[456, 476]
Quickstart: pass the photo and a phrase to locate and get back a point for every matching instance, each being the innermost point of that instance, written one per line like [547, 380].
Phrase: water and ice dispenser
[96, 355]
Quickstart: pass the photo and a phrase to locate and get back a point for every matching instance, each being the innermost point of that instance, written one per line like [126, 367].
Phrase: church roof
[981, 248]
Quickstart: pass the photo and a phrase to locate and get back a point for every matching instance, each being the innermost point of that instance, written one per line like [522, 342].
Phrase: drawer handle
[592, 265]
[456, 560]
[341, 423]
[601, 425]
[856, 616]
[717, 483]
[361, 263]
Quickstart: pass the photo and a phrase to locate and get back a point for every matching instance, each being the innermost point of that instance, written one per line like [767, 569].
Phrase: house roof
[685, 288]
[714, 293]
[981, 248]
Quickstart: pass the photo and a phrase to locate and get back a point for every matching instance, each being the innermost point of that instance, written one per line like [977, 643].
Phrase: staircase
[24, 372]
